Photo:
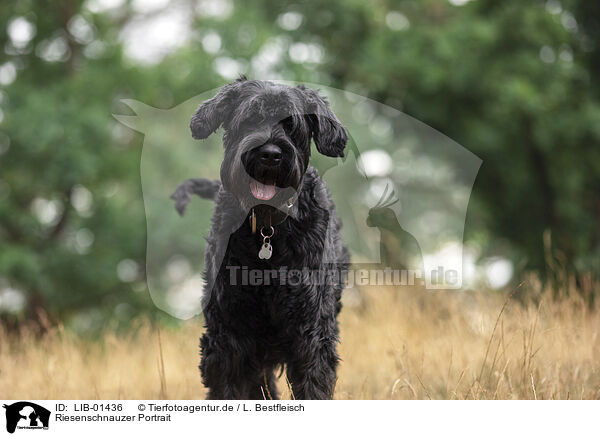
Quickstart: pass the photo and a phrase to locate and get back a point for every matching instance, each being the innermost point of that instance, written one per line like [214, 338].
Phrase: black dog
[273, 213]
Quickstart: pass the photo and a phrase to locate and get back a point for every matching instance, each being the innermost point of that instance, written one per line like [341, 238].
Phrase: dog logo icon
[26, 415]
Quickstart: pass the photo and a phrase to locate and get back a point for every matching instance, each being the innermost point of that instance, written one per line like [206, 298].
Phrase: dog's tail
[203, 188]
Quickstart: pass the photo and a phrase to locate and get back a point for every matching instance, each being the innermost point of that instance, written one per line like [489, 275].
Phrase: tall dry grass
[395, 344]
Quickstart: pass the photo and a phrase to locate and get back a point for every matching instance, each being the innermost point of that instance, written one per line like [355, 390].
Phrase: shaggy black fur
[253, 329]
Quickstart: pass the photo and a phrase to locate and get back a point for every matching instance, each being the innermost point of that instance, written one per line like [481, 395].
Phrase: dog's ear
[211, 114]
[327, 131]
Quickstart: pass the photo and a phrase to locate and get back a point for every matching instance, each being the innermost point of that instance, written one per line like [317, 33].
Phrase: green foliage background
[515, 82]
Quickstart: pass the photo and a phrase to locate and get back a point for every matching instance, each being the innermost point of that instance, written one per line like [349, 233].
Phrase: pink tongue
[262, 192]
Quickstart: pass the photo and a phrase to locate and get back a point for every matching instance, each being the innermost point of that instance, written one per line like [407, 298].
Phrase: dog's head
[268, 129]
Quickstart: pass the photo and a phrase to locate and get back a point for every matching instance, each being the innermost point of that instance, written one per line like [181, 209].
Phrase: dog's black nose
[270, 155]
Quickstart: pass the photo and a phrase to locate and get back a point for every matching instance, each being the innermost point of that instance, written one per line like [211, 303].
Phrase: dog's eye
[288, 124]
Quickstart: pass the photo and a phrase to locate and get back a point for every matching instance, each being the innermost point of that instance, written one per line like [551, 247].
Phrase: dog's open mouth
[262, 191]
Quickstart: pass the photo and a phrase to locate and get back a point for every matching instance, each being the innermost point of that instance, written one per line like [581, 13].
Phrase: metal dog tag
[266, 251]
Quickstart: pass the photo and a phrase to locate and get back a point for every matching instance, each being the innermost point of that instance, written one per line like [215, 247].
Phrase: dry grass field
[396, 344]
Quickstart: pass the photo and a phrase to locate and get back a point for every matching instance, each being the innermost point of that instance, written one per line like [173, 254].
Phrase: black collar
[264, 216]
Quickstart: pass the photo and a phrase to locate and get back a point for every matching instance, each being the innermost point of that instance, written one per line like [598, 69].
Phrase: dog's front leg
[229, 367]
[312, 369]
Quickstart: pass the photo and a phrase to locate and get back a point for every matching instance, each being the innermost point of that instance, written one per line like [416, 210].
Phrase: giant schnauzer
[275, 223]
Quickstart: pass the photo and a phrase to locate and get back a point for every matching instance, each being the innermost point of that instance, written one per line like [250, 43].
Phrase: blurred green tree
[514, 82]
[70, 207]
